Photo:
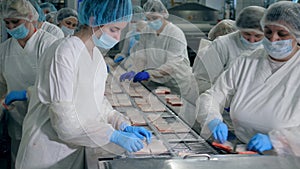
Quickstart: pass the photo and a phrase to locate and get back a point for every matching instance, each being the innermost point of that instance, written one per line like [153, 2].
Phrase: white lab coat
[53, 29]
[165, 58]
[125, 52]
[217, 58]
[262, 102]
[18, 68]
[68, 109]
[198, 65]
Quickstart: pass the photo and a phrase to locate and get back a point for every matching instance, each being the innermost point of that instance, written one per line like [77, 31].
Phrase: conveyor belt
[178, 137]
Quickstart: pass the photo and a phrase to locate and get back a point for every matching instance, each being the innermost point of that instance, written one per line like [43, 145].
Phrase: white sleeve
[210, 66]
[115, 118]
[58, 33]
[210, 104]
[286, 141]
[200, 72]
[177, 59]
[73, 130]
[3, 87]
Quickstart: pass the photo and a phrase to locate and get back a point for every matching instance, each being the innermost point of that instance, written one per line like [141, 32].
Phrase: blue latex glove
[15, 95]
[219, 130]
[127, 75]
[141, 76]
[140, 132]
[227, 109]
[119, 59]
[260, 142]
[128, 141]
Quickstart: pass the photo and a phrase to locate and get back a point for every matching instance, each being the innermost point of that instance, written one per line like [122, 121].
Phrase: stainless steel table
[213, 162]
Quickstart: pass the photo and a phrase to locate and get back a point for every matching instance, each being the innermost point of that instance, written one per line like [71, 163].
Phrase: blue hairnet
[285, 14]
[249, 18]
[65, 13]
[48, 5]
[36, 6]
[156, 6]
[100, 12]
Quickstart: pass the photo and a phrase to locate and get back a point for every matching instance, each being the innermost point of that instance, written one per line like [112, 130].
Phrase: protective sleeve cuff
[123, 126]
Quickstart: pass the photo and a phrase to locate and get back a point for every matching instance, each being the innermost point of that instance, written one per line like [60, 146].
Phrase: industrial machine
[195, 20]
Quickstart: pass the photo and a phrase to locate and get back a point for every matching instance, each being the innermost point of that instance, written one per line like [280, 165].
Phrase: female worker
[19, 56]
[68, 110]
[160, 57]
[225, 49]
[67, 20]
[265, 88]
[43, 24]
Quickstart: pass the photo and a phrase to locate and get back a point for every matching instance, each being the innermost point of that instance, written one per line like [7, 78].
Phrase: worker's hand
[219, 130]
[128, 141]
[127, 75]
[140, 132]
[119, 59]
[16, 95]
[141, 76]
[260, 142]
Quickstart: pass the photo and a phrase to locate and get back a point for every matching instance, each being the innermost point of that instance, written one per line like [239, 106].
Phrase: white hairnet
[65, 13]
[138, 13]
[249, 18]
[20, 9]
[37, 7]
[222, 28]
[285, 14]
[137, 9]
[50, 16]
[156, 6]
[49, 6]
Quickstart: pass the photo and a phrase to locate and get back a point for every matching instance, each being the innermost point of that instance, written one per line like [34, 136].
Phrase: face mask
[19, 32]
[250, 45]
[278, 49]
[105, 41]
[67, 31]
[156, 24]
